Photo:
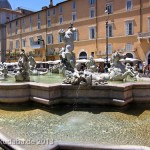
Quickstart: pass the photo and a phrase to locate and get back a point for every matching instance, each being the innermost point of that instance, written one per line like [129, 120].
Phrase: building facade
[128, 29]
[6, 15]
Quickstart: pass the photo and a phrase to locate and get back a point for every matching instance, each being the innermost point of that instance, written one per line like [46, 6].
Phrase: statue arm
[61, 32]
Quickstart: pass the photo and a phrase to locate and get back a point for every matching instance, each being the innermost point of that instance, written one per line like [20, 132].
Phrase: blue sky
[31, 4]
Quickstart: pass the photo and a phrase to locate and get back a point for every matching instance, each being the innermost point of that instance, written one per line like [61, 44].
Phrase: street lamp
[106, 65]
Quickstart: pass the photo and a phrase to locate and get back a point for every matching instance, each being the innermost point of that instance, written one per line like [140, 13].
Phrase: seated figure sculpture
[66, 54]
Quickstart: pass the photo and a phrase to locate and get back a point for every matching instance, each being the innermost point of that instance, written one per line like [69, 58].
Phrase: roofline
[9, 10]
[63, 2]
[39, 11]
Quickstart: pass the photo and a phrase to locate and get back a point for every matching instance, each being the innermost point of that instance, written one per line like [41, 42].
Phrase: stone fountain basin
[49, 94]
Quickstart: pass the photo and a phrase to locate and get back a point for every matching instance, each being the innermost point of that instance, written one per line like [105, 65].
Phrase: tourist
[99, 68]
[144, 68]
[136, 68]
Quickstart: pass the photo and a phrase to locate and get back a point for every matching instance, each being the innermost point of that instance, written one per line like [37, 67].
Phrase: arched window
[83, 55]
[129, 55]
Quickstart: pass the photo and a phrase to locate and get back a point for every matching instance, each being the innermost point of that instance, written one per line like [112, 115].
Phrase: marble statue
[66, 53]
[91, 66]
[118, 70]
[23, 70]
[3, 71]
[32, 62]
[89, 76]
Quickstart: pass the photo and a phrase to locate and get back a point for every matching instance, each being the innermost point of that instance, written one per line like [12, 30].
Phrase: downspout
[20, 34]
[46, 37]
[141, 25]
[96, 21]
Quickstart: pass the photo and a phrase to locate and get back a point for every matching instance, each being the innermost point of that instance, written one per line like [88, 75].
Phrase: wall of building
[138, 15]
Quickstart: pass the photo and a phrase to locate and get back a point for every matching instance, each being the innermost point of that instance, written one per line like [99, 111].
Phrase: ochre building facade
[128, 29]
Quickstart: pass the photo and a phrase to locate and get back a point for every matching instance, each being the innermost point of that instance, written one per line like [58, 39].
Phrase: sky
[34, 5]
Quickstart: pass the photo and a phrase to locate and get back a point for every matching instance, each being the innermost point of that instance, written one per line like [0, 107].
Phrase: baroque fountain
[83, 109]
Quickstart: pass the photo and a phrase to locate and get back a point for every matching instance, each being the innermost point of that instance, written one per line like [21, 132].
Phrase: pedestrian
[144, 68]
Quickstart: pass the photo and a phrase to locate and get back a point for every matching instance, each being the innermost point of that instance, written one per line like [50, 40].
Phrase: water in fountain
[76, 98]
[101, 125]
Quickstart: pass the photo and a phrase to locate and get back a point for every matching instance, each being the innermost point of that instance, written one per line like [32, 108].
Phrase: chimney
[51, 3]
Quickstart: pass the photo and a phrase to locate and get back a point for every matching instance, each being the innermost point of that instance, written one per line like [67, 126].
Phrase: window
[10, 25]
[48, 13]
[60, 19]
[10, 29]
[31, 41]
[110, 30]
[129, 28]
[16, 31]
[23, 21]
[54, 11]
[109, 8]
[48, 23]
[128, 4]
[16, 16]
[30, 19]
[74, 17]
[149, 24]
[92, 12]
[75, 36]
[17, 44]
[109, 48]
[83, 55]
[128, 47]
[49, 39]
[16, 23]
[92, 33]
[92, 54]
[23, 25]
[11, 45]
[73, 5]
[60, 38]
[60, 9]
[10, 32]
[38, 16]
[92, 2]
[30, 23]
[39, 25]
[23, 43]
[30, 27]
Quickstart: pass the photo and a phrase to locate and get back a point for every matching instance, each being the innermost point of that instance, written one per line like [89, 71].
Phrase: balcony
[144, 35]
[52, 53]
[38, 44]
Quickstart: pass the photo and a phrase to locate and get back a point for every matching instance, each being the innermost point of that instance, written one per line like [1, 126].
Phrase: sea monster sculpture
[24, 65]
